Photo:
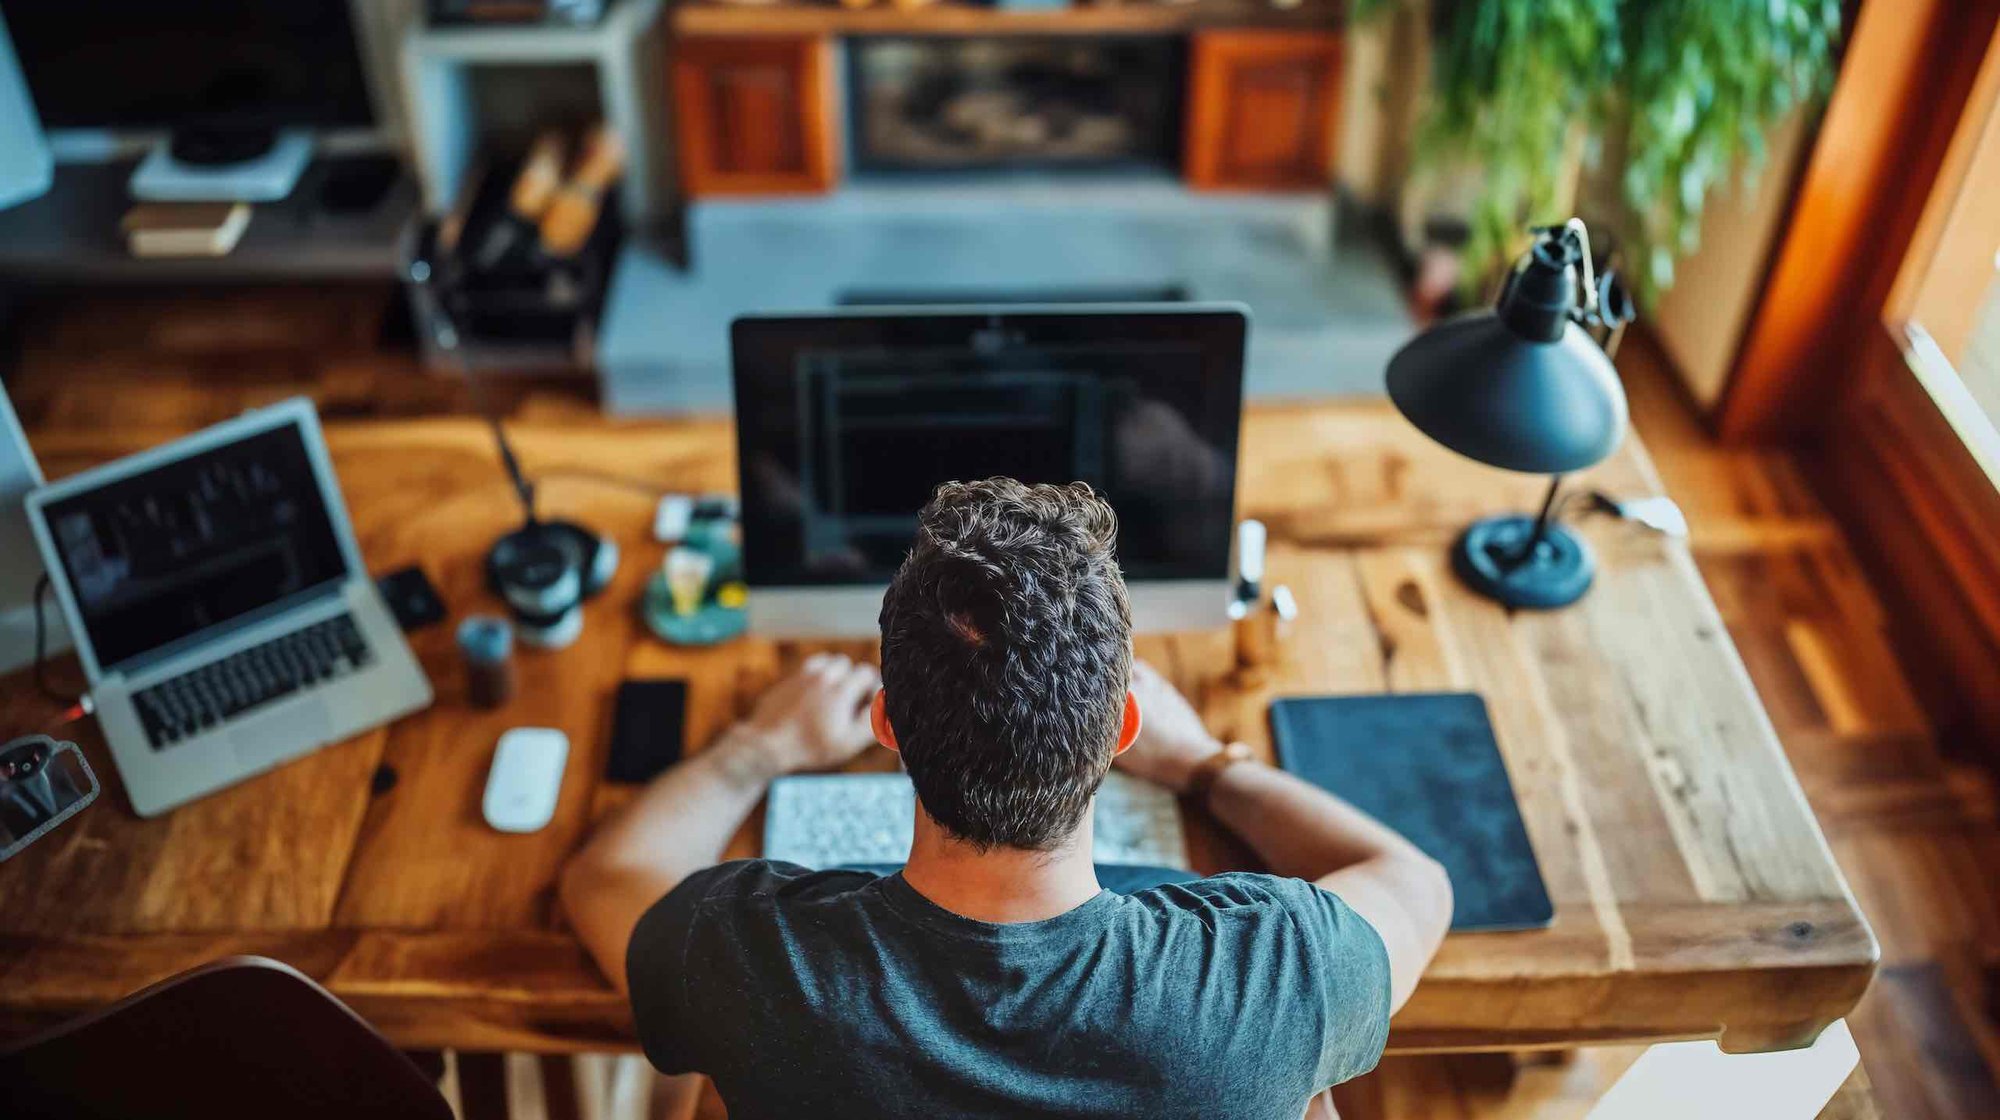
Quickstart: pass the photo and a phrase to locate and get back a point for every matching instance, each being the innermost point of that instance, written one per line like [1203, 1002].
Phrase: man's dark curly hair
[1006, 654]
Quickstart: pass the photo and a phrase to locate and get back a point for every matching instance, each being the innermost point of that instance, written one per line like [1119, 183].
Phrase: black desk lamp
[1525, 387]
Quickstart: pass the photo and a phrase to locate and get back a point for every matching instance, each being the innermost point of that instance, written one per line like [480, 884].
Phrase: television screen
[216, 63]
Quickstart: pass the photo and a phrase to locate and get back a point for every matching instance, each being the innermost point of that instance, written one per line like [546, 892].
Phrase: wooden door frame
[1905, 76]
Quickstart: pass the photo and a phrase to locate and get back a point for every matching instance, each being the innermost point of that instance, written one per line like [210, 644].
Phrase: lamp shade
[1483, 387]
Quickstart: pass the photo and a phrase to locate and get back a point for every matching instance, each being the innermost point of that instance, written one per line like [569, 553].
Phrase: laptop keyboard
[196, 701]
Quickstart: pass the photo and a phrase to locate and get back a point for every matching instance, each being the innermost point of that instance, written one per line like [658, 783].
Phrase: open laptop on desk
[220, 606]
[847, 421]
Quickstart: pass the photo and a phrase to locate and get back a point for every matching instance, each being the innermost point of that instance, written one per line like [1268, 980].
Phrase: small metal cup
[42, 784]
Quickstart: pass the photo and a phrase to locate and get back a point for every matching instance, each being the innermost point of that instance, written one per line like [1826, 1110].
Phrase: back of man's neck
[1001, 885]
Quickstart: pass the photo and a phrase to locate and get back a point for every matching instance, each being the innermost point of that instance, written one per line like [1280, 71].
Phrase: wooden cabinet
[1262, 107]
[753, 115]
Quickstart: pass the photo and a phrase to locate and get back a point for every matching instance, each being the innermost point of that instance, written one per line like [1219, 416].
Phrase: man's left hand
[815, 719]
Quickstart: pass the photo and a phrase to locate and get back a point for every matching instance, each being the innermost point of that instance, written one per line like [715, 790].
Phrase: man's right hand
[1172, 740]
[815, 719]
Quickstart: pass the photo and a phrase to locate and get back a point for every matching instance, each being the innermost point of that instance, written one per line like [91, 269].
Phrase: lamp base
[1488, 558]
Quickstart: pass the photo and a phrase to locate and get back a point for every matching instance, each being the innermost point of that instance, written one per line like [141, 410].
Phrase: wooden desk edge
[415, 987]
[535, 989]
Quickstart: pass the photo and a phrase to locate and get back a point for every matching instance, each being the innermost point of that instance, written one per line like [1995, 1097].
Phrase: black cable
[524, 488]
[42, 586]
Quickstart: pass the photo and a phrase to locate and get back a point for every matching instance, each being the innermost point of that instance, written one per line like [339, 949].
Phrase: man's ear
[878, 718]
[1128, 733]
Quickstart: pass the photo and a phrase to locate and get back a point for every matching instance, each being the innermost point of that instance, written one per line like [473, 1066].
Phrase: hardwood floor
[1915, 830]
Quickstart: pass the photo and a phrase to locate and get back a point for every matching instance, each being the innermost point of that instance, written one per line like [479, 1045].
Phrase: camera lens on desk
[539, 578]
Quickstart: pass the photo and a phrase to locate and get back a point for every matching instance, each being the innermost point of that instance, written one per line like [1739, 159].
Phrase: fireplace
[955, 104]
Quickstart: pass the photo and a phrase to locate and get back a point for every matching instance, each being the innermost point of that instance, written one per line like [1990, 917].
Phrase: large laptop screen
[165, 554]
[846, 424]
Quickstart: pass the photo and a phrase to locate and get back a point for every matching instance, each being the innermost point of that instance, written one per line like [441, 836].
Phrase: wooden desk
[1694, 894]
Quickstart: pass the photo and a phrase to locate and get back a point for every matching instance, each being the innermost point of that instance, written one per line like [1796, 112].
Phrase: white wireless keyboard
[832, 820]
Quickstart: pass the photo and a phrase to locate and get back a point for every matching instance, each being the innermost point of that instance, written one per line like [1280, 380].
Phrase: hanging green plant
[1686, 89]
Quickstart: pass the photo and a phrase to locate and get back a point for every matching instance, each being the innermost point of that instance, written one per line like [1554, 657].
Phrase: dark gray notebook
[1425, 764]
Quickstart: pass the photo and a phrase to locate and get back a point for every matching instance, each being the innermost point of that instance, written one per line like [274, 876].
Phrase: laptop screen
[846, 424]
[166, 554]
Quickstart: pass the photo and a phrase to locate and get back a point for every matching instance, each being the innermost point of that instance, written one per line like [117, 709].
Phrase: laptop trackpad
[263, 740]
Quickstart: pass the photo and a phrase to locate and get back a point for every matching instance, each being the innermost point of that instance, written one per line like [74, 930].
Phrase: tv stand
[220, 146]
[71, 234]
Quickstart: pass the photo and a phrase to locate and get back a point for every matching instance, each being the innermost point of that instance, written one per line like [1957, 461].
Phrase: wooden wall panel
[754, 116]
[1261, 109]
[1926, 520]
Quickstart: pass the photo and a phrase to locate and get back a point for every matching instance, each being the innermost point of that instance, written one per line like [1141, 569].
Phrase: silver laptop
[220, 606]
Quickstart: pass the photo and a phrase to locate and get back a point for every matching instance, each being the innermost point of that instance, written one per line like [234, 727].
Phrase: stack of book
[185, 229]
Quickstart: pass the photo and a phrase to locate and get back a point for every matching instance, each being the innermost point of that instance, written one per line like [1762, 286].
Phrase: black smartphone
[647, 724]
[412, 598]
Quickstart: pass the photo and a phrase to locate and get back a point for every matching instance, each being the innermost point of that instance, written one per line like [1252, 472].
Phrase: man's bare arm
[682, 822]
[1302, 831]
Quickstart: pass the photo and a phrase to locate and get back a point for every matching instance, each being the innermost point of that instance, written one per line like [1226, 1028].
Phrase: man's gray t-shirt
[845, 993]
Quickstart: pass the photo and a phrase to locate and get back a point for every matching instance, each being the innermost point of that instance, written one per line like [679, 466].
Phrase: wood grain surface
[1695, 896]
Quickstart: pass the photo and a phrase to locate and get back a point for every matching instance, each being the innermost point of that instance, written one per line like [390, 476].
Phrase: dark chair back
[243, 1036]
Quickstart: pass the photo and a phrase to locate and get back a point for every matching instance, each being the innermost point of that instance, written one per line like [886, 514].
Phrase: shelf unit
[438, 64]
[71, 235]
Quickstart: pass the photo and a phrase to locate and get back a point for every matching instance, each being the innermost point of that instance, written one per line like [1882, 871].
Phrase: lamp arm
[1541, 524]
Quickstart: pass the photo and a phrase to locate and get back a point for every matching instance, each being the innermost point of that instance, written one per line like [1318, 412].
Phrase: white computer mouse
[526, 778]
